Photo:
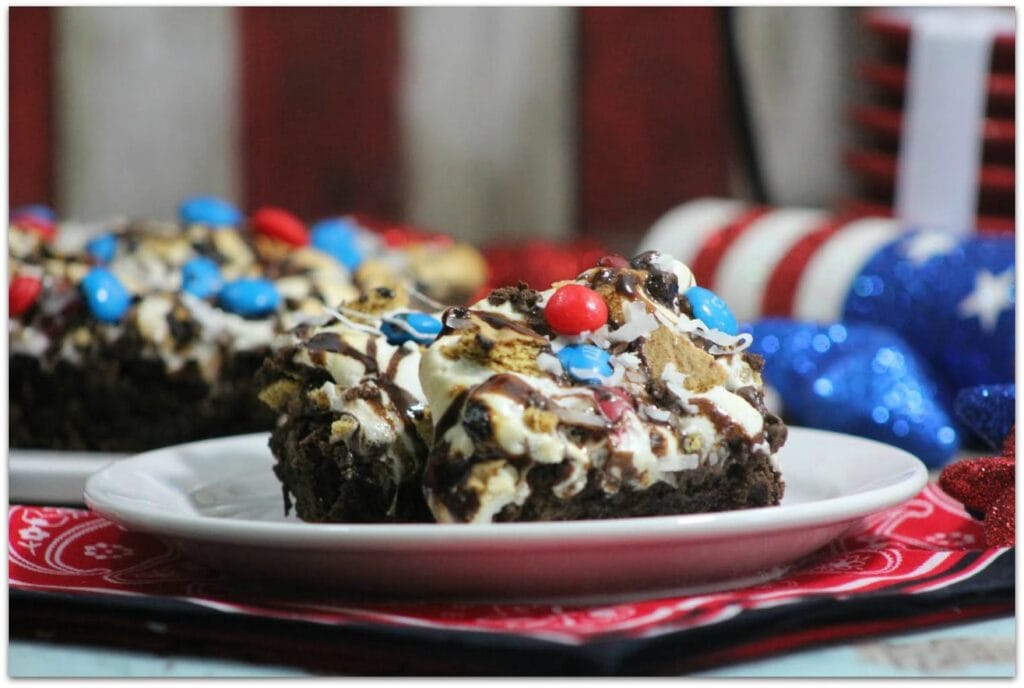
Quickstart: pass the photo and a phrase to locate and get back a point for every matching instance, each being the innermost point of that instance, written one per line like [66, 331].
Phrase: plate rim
[689, 527]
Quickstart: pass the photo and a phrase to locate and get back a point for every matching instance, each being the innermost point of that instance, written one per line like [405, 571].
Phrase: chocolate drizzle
[774, 429]
[331, 342]
[500, 322]
[396, 360]
[451, 416]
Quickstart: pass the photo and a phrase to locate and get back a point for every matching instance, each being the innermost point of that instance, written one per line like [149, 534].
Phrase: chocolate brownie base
[327, 484]
[324, 481]
[735, 485]
[123, 404]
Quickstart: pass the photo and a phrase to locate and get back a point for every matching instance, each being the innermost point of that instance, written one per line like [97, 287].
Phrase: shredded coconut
[675, 381]
[638, 323]
[655, 413]
[724, 343]
[630, 361]
[618, 372]
[355, 326]
[582, 418]
[549, 363]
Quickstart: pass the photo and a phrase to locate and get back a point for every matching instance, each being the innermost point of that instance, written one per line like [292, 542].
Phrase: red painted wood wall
[319, 103]
[30, 106]
[654, 125]
[319, 111]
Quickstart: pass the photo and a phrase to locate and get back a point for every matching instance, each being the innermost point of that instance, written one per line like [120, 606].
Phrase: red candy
[574, 308]
[280, 224]
[399, 236]
[613, 260]
[613, 402]
[22, 293]
[44, 228]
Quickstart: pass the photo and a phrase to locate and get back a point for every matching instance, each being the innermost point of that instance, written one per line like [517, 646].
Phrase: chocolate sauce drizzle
[331, 342]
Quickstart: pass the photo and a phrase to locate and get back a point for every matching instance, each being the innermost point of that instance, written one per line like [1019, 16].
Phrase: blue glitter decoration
[36, 210]
[209, 210]
[339, 238]
[106, 296]
[250, 297]
[427, 328]
[988, 410]
[710, 309]
[102, 247]
[585, 362]
[858, 379]
[201, 277]
[951, 299]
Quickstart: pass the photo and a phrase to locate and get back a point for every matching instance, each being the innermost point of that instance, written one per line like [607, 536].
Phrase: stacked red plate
[879, 122]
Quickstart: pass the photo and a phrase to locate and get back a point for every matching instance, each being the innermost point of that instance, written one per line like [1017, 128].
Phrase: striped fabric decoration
[483, 121]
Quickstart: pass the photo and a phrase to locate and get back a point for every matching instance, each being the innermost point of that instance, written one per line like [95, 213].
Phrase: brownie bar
[738, 484]
[327, 483]
[325, 480]
[151, 333]
[128, 404]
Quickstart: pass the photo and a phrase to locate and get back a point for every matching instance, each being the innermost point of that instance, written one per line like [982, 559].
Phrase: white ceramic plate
[220, 502]
[44, 476]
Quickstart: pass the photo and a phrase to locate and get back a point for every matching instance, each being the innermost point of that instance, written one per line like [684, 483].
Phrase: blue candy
[102, 247]
[585, 362]
[711, 310]
[338, 238]
[426, 326]
[201, 277]
[43, 212]
[250, 297]
[209, 210]
[107, 298]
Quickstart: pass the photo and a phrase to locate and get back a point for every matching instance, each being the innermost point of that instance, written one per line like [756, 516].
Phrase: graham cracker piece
[279, 394]
[539, 420]
[374, 272]
[613, 298]
[380, 299]
[503, 350]
[614, 301]
[664, 346]
[450, 273]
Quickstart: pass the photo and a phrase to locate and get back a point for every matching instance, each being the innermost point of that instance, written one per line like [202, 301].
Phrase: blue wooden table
[984, 648]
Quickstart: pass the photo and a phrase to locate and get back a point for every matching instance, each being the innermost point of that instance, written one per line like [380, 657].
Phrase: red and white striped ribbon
[795, 262]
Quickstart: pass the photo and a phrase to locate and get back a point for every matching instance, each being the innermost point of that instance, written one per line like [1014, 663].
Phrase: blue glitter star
[951, 301]
[859, 379]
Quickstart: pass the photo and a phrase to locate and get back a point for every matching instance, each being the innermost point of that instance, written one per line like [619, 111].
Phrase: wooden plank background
[30, 105]
[487, 122]
[319, 122]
